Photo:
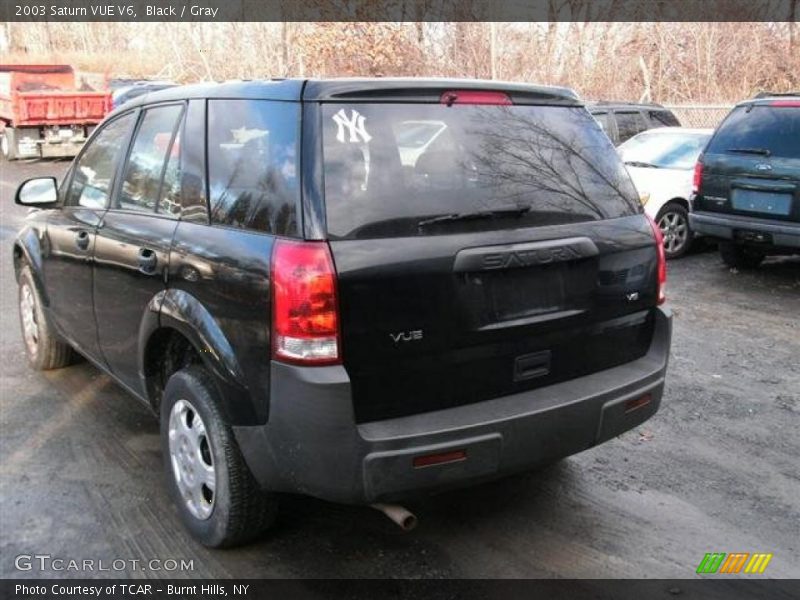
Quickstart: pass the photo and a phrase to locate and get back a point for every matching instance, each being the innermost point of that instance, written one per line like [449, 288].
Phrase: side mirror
[40, 192]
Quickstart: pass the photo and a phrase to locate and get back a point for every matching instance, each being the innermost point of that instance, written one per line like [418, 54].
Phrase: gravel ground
[716, 469]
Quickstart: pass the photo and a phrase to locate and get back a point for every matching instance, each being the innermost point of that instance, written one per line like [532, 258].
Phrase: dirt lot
[716, 469]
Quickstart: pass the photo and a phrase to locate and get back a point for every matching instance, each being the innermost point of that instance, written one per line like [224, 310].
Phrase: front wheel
[673, 220]
[218, 500]
[43, 347]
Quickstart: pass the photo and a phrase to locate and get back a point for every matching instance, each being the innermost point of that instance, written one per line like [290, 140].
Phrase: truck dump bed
[43, 113]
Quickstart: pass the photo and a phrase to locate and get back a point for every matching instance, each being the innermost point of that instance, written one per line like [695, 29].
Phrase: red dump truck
[43, 113]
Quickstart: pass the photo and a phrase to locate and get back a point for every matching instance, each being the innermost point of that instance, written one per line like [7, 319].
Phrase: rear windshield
[760, 129]
[391, 168]
[664, 150]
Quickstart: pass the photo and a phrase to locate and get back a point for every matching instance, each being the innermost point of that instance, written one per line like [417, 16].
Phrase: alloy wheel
[675, 231]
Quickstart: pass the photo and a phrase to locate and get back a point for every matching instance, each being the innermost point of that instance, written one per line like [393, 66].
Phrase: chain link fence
[700, 115]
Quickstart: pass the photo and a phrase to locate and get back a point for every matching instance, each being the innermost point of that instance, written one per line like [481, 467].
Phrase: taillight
[305, 311]
[697, 180]
[786, 103]
[475, 97]
[662, 261]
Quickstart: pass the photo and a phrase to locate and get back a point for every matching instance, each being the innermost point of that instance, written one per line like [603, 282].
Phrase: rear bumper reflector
[639, 402]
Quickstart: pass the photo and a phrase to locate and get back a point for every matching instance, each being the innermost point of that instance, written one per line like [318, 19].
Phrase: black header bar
[399, 10]
[727, 588]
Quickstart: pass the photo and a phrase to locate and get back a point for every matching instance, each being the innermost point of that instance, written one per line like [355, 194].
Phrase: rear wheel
[740, 257]
[43, 347]
[217, 497]
[673, 220]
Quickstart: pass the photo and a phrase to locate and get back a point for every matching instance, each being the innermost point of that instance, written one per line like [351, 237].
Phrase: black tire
[240, 511]
[45, 350]
[739, 257]
[9, 144]
[681, 242]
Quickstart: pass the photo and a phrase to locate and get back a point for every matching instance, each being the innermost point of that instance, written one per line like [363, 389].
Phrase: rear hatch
[481, 250]
[752, 164]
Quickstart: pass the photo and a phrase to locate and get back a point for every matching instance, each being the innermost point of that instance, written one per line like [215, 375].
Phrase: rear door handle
[147, 261]
[82, 239]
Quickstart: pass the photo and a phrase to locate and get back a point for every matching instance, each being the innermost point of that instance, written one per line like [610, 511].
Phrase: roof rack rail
[623, 103]
[760, 95]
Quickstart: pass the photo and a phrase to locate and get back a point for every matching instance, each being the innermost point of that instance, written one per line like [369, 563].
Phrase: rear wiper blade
[479, 214]
[639, 163]
[761, 151]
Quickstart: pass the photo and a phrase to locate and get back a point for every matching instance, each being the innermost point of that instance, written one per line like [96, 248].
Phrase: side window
[252, 164]
[663, 118]
[169, 203]
[629, 124]
[94, 171]
[602, 119]
[141, 183]
[194, 205]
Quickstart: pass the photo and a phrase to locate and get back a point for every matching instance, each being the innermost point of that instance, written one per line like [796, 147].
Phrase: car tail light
[662, 261]
[697, 180]
[786, 103]
[305, 310]
[475, 97]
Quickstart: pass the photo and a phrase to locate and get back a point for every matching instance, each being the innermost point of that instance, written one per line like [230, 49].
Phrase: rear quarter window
[253, 166]
[388, 167]
[663, 118]
[629, 124]
[774, 129]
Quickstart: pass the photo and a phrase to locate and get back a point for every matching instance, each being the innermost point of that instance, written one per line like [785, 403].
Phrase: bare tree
[661, 61]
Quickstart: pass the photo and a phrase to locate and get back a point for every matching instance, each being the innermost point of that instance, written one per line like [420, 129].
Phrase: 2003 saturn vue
[354, 289]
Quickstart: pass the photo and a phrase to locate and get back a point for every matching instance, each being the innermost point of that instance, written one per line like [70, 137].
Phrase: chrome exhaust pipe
[400, 515]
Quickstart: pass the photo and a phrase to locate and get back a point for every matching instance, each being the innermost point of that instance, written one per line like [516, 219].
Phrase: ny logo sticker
[354, 126]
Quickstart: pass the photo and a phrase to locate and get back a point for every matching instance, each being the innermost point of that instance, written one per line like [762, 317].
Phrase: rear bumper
[783, 235]
[312, 444]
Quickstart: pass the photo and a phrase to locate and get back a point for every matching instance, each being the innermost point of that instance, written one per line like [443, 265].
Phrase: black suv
[747, 182]
[623, 120]
[353, 289]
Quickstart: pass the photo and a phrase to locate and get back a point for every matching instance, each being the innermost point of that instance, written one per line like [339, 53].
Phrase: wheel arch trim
[30, 250]
[683, 202]
[179, 310]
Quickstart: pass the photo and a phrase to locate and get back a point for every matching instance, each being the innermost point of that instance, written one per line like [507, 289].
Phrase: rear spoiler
[415, 91]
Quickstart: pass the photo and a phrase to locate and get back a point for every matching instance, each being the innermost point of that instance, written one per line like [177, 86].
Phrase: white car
[661, 163]
[415, 137]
